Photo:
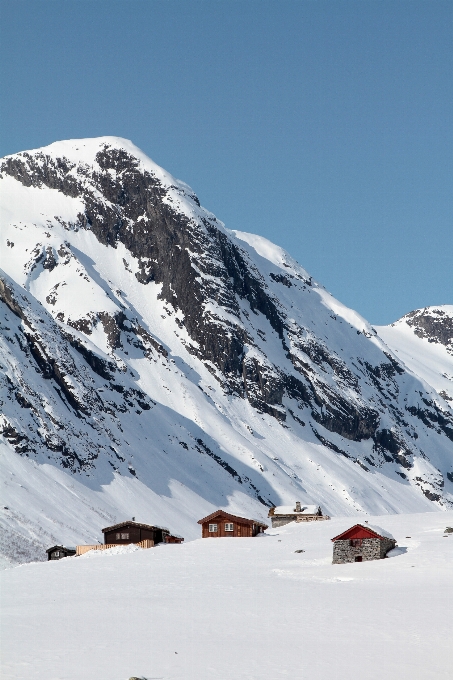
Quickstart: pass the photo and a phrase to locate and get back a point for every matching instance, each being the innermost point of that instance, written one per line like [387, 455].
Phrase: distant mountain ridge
[144, 341]
[423, 339]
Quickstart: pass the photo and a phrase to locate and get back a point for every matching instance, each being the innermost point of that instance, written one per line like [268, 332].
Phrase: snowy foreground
[249, 609]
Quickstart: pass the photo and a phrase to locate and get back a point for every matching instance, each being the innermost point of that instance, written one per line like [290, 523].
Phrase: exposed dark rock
[433, 324]
[200, 270]
[203, 448]
[329, 444]
[104, 368]
[280, 278]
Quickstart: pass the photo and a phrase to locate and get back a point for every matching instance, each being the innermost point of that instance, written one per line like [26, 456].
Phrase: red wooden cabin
[221, 524]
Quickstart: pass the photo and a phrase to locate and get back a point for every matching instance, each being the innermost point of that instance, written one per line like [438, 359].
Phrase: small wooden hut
[221, 524]
[57, 552]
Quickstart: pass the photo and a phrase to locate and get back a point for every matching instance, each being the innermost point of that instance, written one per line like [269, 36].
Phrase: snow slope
[156, 364]
[423, 340]
[249, 609]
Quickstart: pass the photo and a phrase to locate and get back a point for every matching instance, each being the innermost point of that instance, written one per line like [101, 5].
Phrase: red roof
[358, 531]
[226, 515]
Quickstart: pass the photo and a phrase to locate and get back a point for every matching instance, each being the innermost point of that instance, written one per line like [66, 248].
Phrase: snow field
[248, 609]
[430, 361]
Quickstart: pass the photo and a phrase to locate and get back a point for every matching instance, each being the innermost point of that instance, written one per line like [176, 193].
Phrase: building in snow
[221, 524]
[125, 533]
[57, 552]
[362, 543]
[284, 514]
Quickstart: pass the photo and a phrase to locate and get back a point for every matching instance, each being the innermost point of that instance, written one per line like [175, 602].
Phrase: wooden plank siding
[242, 526]
[134, 534]
[239, 529]
[82, 549]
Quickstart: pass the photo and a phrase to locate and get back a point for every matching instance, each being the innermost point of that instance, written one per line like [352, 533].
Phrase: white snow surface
[242, 608]
[379, 530]
[153, 466]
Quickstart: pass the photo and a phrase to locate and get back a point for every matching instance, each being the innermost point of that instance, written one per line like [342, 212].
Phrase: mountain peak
[148, 347]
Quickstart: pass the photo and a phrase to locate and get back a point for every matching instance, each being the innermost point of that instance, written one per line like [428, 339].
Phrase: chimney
[298, 509]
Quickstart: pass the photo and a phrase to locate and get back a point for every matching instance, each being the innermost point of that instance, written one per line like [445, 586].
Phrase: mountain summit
[155, 362]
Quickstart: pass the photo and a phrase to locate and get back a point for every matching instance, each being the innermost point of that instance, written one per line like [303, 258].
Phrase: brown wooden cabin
[173, 538]
[133, 532]
[57, 552]
[362, 543]
[221, 524]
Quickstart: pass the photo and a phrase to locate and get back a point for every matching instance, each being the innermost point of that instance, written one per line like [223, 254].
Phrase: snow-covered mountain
[156, 364]
[423, 339]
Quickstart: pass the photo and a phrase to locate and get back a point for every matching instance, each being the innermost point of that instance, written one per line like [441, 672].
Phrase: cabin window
[125, 536]
[56, 553]
[228, 526]
[355, 542]
[212, 528]
[117, 536]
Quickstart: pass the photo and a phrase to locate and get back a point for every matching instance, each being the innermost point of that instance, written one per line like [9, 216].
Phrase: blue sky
[324, 126]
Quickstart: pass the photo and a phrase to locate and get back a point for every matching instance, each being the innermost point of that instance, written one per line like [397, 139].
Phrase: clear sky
[324, 126]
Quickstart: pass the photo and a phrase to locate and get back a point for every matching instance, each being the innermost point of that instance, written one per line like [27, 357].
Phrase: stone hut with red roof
[361, 543]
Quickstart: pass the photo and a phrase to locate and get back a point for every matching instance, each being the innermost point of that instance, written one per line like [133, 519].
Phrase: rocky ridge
[115, 273]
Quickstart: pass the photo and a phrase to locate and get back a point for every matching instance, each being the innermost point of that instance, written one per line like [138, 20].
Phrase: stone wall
[386, 545]
[370, 549]
[281, 520]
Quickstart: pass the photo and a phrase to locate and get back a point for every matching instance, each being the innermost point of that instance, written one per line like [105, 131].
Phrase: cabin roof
[290, 510]
[59, 547]
[372, 529]
[227, 515]
[122, 525]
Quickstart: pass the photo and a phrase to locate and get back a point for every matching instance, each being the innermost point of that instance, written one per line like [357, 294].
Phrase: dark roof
[226, 515]
[373, 533]
[121, 525]
[58, 547]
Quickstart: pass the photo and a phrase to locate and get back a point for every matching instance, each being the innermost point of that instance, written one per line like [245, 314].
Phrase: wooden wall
[136, 534]
[239, 529]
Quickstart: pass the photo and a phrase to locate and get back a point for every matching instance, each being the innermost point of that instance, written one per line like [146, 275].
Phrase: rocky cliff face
[433, 323]
[122, 294]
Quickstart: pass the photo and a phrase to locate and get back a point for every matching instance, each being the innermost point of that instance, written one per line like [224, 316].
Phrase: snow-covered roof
[290, 510]
[379, 530]
[134, 524]
[383, 533]
[227, 515]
